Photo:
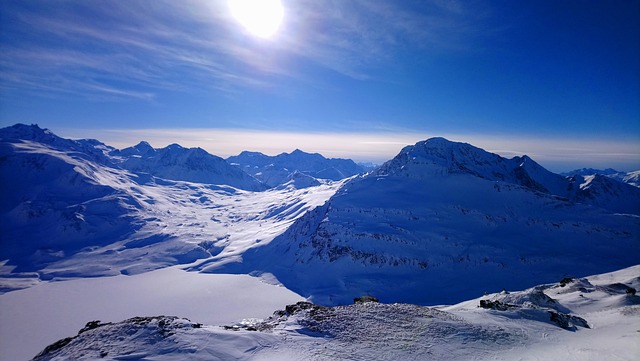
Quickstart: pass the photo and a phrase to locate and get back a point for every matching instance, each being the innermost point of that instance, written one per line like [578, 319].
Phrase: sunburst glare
[261, 18]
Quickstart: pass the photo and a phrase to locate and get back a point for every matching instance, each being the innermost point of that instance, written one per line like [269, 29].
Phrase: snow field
[520, 329]
[33, 318]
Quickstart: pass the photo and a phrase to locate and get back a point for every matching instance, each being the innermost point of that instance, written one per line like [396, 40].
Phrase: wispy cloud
[134, 49]
[114, 47]
[561, 154]
[355, 37]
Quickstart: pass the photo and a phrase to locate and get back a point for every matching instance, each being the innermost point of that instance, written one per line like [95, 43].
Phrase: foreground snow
[593, 318]
[32, 318]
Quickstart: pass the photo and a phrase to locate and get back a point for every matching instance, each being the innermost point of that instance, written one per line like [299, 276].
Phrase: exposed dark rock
[565, 281]
[365, 299]
[300, 306]
[568, 322]
[631, 291]
[91, 325]
[619, 288]
[161, 327]
[55, 347]
[496, 305]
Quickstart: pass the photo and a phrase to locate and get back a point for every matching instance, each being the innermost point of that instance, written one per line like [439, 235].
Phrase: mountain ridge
[68, 209]
[439, 157]
[277, 170]
[631, 178]
[187, 164]
[437, 213]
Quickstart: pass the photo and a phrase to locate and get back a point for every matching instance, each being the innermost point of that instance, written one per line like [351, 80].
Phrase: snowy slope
[69, 210]
[440, 157]
[438, 214]
[592, 318]
[631, 178]
[88, 149]
[178, 163]
[31, 319]
[278, 169]
[58, 202]
[607, 192]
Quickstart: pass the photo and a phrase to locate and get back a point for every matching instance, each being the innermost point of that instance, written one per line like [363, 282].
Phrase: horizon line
[555, 154]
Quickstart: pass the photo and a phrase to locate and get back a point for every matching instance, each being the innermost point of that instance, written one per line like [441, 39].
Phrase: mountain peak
[300, 153]
[143, 144]
[438, 141]
[174, 146]
[443, 147]
[144, 147]
[176, 162]
[140, 149]
[279, 169]
[439, 156]
[247, 153]
[27, 132]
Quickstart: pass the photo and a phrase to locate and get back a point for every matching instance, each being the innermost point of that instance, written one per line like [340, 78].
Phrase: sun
[261, 18]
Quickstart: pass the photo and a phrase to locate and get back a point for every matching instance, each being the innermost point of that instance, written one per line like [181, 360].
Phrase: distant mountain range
[178, 163]
[280, 169]
[412, 230]
[632, 178]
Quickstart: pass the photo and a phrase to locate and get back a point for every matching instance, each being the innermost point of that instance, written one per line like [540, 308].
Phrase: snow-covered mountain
[69, 209]
[178, 163]
[436, 212]
[600, 312]
[368, 166]
[440, 157]
[277, 170]
[591, 171]
[56, 199]
[632, 178]
[441, 213]
[440, 223]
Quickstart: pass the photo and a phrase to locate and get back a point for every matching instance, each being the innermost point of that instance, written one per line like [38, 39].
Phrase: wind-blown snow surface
[442, 213]
[68, 209]
[592, 318]
[31, 319]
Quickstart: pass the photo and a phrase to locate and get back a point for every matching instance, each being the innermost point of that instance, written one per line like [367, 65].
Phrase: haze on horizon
[557, 80]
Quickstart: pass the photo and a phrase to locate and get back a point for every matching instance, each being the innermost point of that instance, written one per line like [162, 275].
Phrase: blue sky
[558, 80]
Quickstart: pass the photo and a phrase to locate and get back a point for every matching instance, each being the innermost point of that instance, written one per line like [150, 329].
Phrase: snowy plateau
[174, 253]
